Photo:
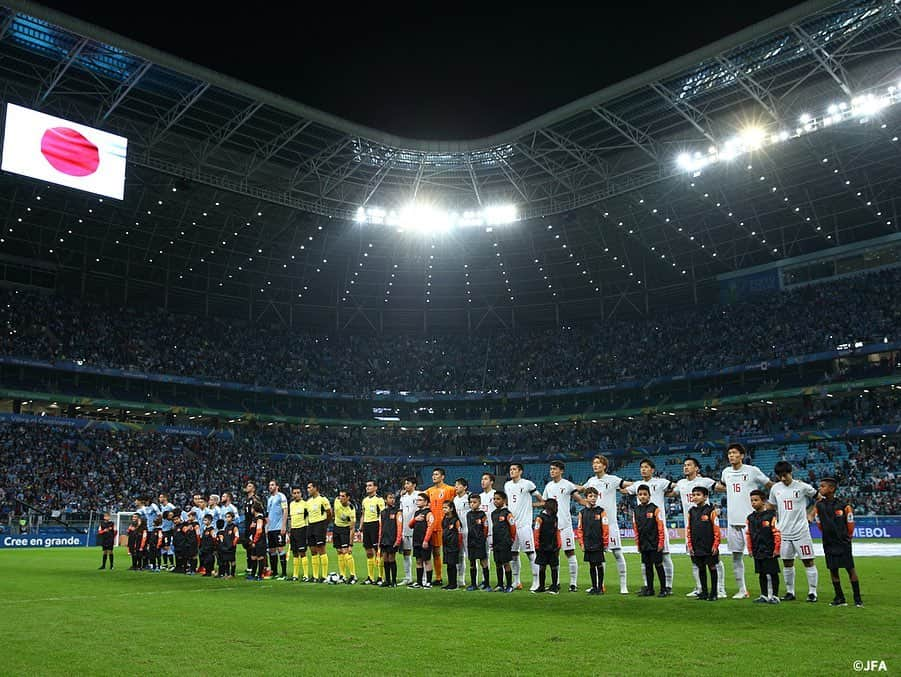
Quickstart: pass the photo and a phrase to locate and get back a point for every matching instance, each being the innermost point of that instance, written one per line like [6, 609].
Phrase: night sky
[424, 73]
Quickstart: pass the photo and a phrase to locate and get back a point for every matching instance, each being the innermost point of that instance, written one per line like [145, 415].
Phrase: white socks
[694, 572]
[813, 579]
[721, 579]
[514, 567]
[738, 569]
[573, 569]
[408, 574]
[789, 573]
[531, 556]
[621, 567]
[668, 569]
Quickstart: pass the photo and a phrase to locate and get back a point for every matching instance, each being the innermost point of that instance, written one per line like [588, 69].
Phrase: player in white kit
[608, 487]
[520, 493]
[790, 498]
[738, 481]
[408, 509]
[659, 487]
[691, 468]
[563, 491]
[487, 497]
[461, 504]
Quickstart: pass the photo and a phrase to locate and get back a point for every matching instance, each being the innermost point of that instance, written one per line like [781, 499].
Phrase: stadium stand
[808, 320]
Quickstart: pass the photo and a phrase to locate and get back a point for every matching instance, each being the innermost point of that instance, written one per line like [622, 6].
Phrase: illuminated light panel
[422, 218]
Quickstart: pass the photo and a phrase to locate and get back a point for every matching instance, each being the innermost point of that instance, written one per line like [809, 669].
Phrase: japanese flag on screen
[52, 149]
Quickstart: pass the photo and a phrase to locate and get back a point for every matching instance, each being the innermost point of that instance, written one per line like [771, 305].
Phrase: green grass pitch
[62, 616]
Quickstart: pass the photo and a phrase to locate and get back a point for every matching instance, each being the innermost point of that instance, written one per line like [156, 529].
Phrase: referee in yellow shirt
[342, 537]
[319, 513]
[373, 504]
[297, 534]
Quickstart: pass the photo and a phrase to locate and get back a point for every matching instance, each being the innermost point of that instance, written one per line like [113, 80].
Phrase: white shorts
[567, 539]
[616, 541]
[800, 547]
[408, 542]
[524, 541]
[464, 549]
[735, 539]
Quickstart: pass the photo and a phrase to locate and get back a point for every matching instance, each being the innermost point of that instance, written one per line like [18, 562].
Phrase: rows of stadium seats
[803, 321]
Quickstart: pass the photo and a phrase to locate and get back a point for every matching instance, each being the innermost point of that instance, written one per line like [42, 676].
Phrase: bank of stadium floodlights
[863, 108]
[433, 219]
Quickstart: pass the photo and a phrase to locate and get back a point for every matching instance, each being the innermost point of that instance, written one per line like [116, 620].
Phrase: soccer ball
[333, 578]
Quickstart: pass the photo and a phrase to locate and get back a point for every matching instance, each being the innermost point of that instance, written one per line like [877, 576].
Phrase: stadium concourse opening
[612, 350]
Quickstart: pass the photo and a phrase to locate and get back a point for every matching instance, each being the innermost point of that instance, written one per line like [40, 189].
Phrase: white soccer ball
[333, 578]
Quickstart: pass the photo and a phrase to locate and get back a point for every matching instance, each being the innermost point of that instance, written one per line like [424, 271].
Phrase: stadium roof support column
[312, 165]
[567, 146]
[692, 115]
[475, 183]
[7, 22]
[514, 178]
[118, 95]
[175, 114]
[890, 6]
[57, 74]
[829, 63]
[376, 181]
[225, 132]
[757, 91]
[522, 148]
[418, 180]
[268, 151]
[642, 140]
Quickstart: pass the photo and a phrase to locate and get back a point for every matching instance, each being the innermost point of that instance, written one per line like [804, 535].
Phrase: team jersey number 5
[569, 543]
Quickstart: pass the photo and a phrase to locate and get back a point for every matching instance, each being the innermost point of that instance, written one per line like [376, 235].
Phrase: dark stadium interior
[236, 311]
[280, 189]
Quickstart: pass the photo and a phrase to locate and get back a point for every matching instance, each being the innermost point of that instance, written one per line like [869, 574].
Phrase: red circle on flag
[70, 152]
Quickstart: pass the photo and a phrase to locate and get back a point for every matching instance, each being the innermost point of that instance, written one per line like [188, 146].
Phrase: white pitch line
[860, 549]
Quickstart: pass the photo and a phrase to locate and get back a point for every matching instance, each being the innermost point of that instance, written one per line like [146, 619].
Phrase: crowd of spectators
[870, 475]
[75, 470]
[651, 431]
[78, 470]
[806, 320]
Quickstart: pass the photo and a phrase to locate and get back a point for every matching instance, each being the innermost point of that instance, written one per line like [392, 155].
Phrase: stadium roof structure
[241, 202]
